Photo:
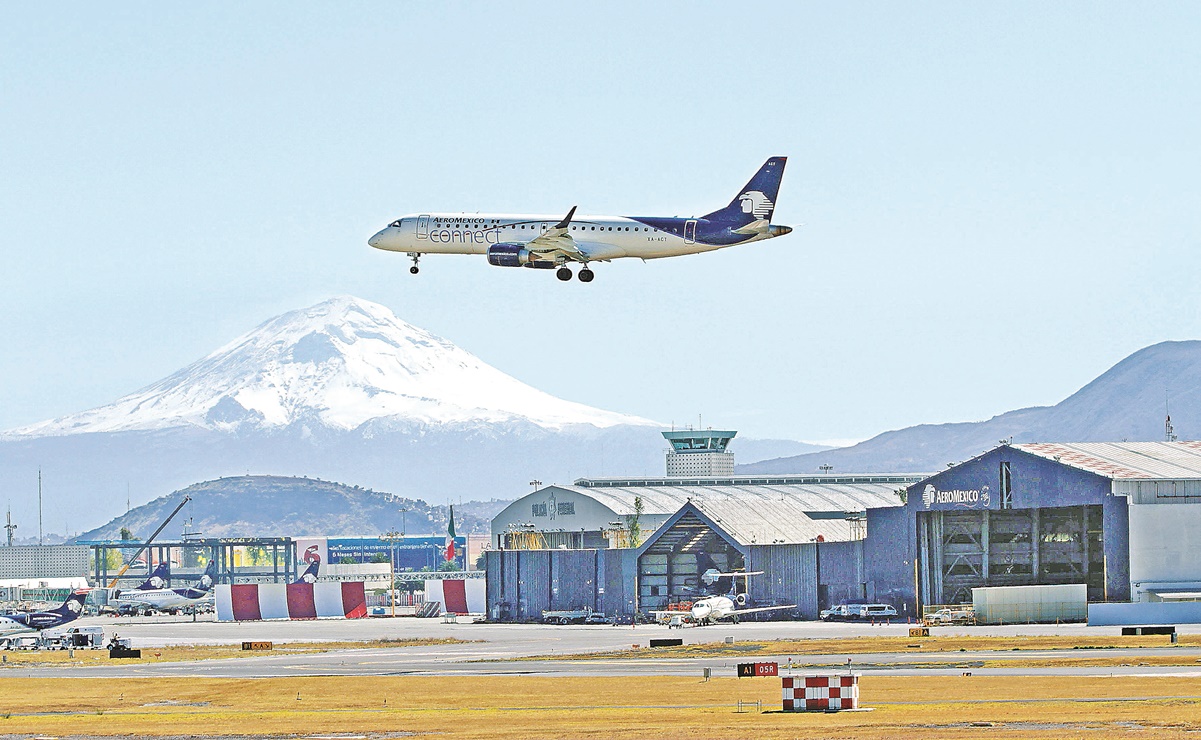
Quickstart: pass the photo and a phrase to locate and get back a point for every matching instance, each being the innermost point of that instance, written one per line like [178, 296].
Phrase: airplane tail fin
[757, 200]
[310, 574]
[209, 578]
[73, 606]
[159, 578]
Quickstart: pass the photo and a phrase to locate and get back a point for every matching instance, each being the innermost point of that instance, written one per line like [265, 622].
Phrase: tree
[126, 534]
[636, 522]
[449, 566]
[380, 557]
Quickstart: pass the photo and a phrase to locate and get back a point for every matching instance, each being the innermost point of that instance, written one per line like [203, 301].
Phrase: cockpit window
[395, 223]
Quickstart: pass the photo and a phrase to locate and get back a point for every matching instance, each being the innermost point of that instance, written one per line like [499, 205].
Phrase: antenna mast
[9, 527]
[39, 506]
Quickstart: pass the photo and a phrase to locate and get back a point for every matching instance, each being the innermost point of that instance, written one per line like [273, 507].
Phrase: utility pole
[391, 536]
[10, 526]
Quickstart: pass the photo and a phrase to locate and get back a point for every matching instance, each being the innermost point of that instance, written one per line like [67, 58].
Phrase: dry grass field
[650, 707]
[1188, 644]
[37, 658]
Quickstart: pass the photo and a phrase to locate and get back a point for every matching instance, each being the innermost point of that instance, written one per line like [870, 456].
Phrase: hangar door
[962, 550]
[669, 570]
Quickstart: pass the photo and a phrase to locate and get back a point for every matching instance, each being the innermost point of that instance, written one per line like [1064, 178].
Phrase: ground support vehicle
[574, 616]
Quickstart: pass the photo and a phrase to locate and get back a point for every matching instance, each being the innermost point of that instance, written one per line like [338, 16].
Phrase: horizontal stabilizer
[755, 227]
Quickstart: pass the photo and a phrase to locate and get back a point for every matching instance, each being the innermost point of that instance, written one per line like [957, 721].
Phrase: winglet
[566, 219]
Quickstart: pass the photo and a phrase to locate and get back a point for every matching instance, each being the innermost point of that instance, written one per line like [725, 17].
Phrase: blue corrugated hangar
[622, 546]
[1117, 517]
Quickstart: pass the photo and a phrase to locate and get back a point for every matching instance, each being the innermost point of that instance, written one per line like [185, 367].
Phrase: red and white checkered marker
[821, 693]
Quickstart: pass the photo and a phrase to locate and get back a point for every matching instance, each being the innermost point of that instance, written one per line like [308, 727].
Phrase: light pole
[390, 537]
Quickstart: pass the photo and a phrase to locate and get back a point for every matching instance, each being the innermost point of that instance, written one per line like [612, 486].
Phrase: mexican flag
[450, 536]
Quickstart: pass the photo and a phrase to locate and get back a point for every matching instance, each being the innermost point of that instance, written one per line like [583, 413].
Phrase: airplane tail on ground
[209, 578]
[310, 574]
[72, 607]
[757, 200]
[159, 578]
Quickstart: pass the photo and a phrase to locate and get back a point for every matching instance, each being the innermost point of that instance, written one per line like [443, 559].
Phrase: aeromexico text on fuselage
[642, 237]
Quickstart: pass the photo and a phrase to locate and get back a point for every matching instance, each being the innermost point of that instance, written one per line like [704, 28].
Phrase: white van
[876, 611]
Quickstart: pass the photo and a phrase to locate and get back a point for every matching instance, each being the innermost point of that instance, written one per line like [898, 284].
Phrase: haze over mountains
[345, 391]
[1129, 402]
[342, 390]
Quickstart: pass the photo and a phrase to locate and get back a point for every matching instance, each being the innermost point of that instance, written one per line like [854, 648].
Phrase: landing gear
[563, 274]
[586, 275]
[415, 269]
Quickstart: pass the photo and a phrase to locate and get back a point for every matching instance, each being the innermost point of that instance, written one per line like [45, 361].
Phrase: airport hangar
[1117, 517]
[588, 546]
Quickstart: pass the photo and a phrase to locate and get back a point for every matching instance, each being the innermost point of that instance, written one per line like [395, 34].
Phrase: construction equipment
[146, 544]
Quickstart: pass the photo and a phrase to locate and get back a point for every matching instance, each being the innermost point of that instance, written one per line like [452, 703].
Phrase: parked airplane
[168, 599]
[545, 242]
[37, 621]
[712, 609]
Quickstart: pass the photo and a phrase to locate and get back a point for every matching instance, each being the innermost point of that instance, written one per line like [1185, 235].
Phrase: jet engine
[516, 255]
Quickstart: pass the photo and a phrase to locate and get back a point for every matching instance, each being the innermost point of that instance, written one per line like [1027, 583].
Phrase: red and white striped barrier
[821, 693]
[253, 601]
[458, 595]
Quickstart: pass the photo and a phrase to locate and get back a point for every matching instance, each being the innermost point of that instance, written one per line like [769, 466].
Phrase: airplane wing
[764, 609]
[556, 241]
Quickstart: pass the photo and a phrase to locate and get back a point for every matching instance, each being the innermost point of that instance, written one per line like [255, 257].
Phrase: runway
[515, 650]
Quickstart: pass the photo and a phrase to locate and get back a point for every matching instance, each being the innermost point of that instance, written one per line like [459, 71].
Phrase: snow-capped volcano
[339, 364]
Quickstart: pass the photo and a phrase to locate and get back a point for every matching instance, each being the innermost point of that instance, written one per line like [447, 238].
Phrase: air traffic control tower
[699, 453]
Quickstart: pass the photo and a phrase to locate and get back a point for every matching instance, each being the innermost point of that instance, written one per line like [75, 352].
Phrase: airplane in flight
[163, 599]
[731, 607]
[70, 610]
[550, 243]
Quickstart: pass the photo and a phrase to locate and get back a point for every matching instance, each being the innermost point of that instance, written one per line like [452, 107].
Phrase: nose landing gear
[415, 269]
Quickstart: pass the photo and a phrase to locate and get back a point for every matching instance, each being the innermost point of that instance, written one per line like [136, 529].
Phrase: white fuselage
[161, 599]
[598, 237]
[12, 627]
[713, 609]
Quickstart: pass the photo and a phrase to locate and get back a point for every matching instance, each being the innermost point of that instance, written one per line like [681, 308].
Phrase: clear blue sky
[994, 202]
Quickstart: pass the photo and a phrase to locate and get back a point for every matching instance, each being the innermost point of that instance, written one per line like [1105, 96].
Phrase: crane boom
[142, 549]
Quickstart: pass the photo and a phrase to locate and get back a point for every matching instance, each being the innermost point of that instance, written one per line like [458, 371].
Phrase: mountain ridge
[1125, 403]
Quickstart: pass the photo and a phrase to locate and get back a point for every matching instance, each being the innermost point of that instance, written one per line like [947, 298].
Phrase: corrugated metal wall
[573, 579]
[522, 583]
[789, 577]
[842, 574]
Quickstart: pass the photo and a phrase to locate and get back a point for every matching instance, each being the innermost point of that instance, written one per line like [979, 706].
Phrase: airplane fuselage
[600, 238]
[163, 599]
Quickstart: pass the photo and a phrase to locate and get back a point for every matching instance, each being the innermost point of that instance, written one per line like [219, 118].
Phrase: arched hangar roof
[757, 509]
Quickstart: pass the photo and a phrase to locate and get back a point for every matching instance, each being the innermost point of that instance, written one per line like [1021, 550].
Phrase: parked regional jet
[712, 609]
[168, 599]
[545, 242]
[37, 621]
